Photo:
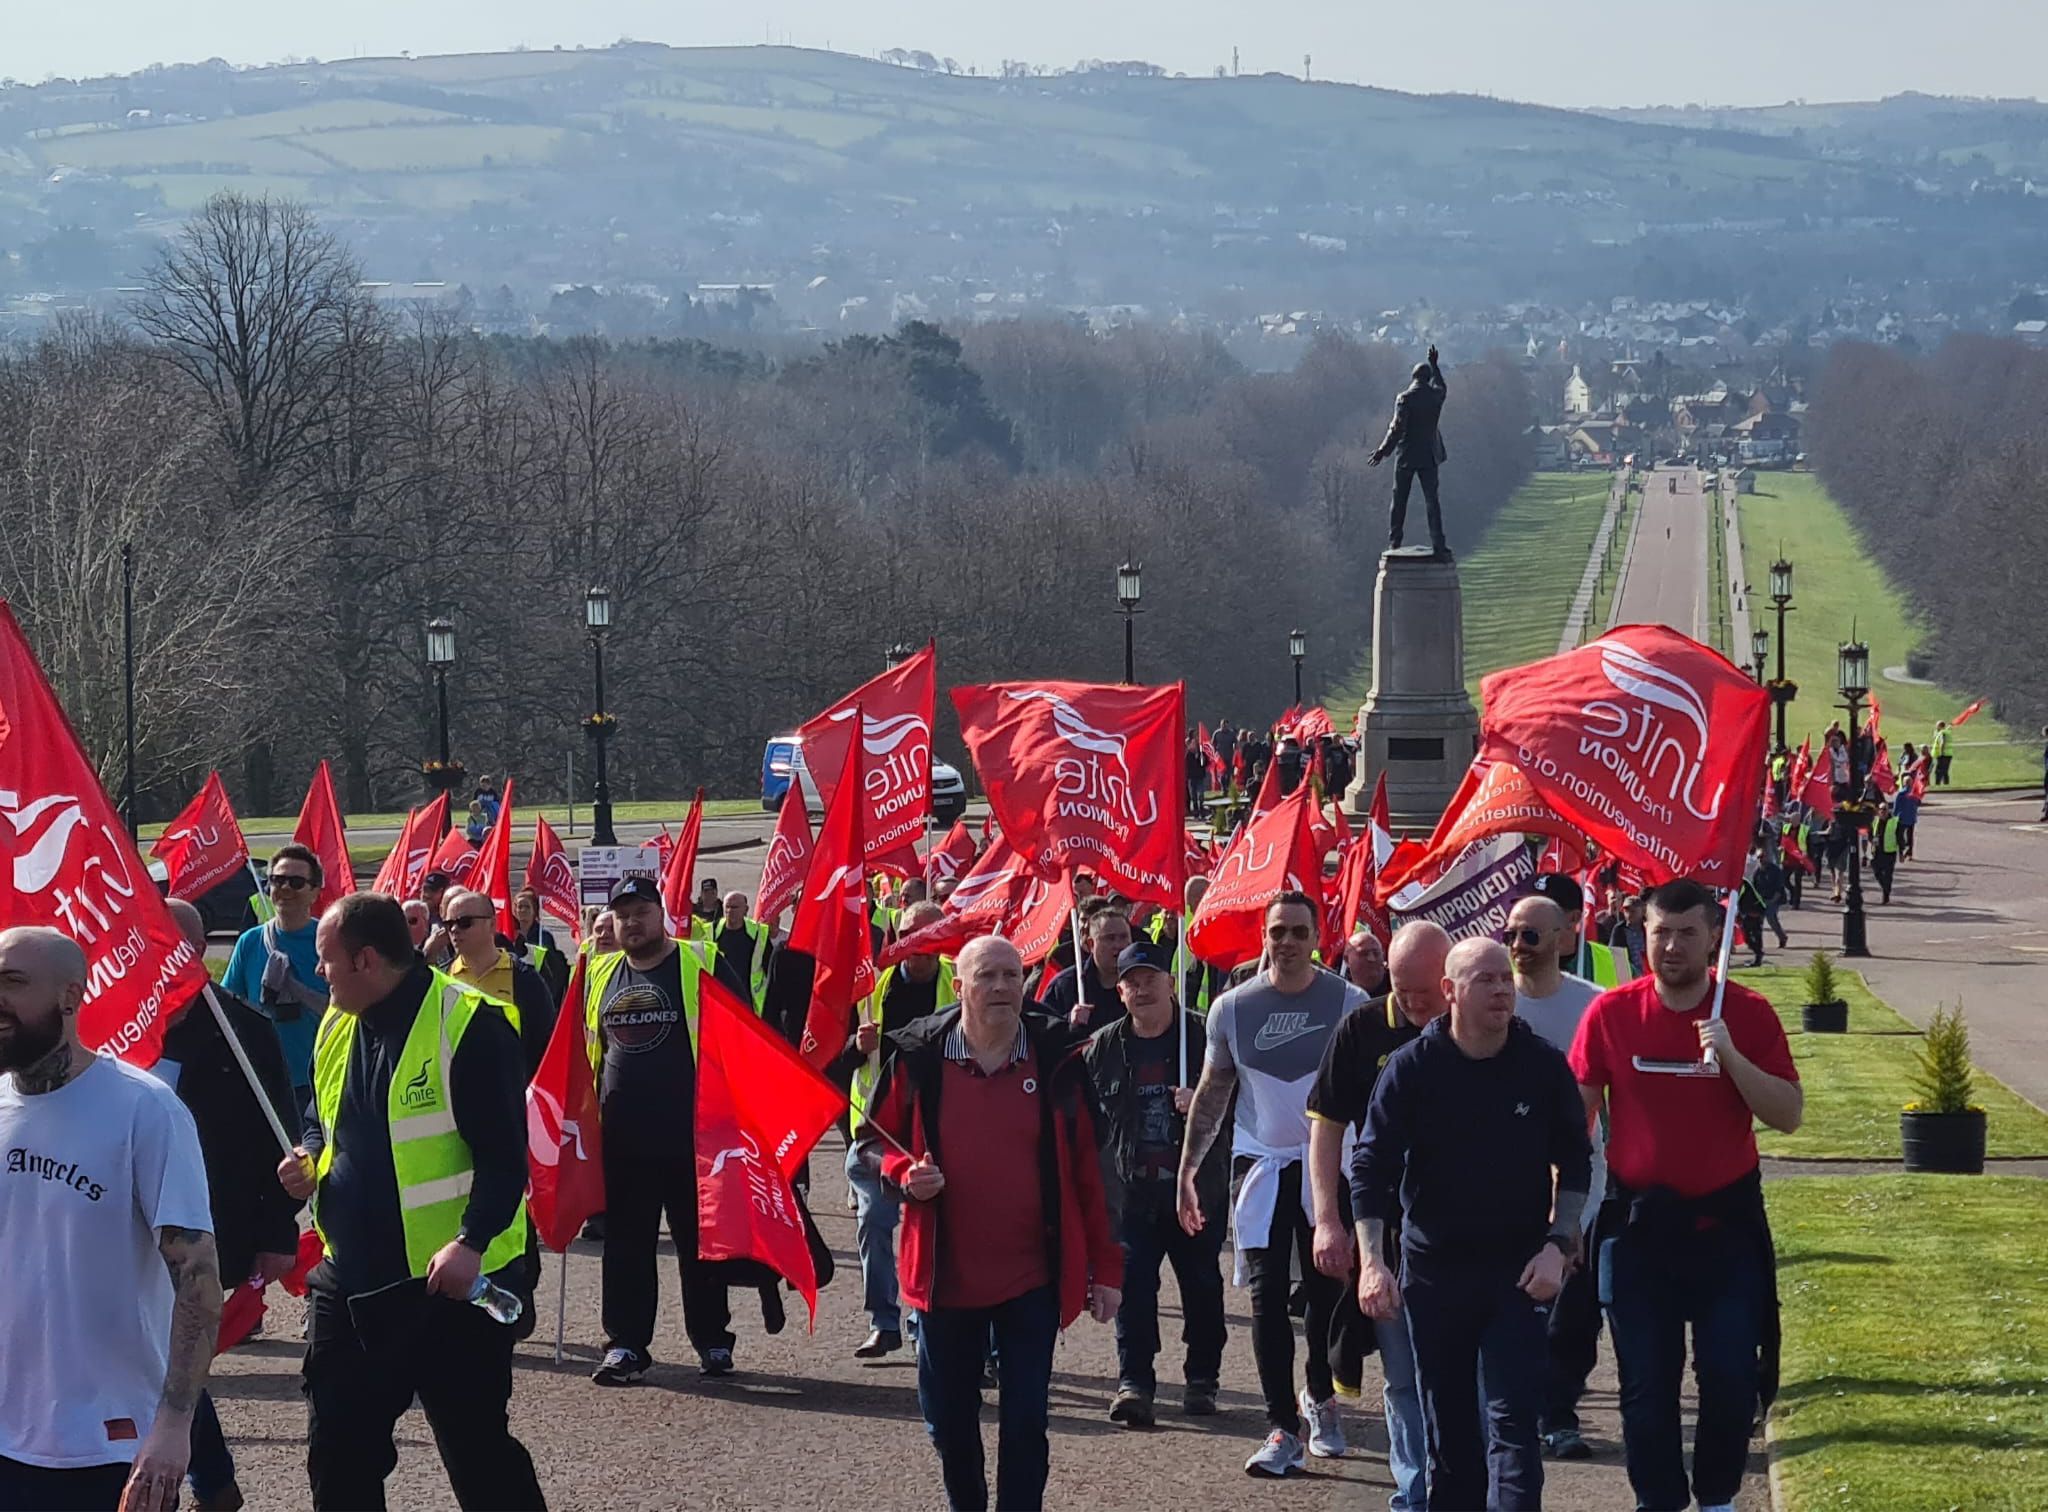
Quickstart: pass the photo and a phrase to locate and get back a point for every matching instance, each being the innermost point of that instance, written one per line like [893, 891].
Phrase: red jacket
[1081, 1248]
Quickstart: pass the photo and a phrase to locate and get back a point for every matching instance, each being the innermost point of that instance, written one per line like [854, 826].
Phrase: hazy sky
[1644, 52]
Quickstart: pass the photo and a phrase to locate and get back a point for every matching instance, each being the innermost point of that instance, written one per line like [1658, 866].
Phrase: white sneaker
[1277, 1458]
[1325, 1427]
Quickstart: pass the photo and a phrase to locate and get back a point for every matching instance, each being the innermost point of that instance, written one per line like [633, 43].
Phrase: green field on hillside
[1518, 583]
[1915, 1364]
[1837, 590]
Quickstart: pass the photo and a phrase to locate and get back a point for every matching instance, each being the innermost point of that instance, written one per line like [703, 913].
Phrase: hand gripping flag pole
[1708, 1064]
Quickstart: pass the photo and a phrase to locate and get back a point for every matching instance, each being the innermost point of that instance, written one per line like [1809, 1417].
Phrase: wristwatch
[469, 1241]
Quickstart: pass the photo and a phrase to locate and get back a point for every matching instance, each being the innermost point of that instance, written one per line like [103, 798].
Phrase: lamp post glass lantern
[1759, 649]
[1297, 648]
[898, 654]
[1782, 689]
[597, 618]
[1129, 588]
[442, 775]
[1852, 667]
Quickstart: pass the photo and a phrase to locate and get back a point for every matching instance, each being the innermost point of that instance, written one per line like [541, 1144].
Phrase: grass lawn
[1856, 1083]
[668, 810]
[1518, 584]
[1835, 588]
[1916, 1342]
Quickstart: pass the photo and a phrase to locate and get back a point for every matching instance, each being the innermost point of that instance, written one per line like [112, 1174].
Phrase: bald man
[113, 1293]
[1470, 1128]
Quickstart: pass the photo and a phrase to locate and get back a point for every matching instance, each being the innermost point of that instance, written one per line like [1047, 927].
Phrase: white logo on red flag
[203, 846]
[896, 710]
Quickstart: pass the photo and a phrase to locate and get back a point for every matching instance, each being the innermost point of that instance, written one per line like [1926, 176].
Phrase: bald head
[50, 953]
[1415, 970]
[190, 923]
[989, 977]
[1539, 933]
[42, 984]
[1479, 979]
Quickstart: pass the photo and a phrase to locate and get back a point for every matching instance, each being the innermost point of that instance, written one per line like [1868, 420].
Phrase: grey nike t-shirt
[1276, 1041]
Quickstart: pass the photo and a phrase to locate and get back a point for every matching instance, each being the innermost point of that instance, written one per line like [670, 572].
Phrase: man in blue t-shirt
[275, 965]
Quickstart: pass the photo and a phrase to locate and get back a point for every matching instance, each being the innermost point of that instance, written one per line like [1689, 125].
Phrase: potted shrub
[1940, 1130]
[1824, 1011]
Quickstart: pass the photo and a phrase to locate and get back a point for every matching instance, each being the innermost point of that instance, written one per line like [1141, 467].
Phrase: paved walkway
[1666, 579]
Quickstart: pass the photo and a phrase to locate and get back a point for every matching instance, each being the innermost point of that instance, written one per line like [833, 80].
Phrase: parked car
[782, 764]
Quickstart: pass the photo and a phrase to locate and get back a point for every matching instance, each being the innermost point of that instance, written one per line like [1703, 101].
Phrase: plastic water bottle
[495, 1300]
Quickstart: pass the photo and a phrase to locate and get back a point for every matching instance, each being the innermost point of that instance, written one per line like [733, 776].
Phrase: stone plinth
[1418, 722]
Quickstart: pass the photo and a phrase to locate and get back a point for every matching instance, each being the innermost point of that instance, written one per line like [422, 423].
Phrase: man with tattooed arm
[100, 1172]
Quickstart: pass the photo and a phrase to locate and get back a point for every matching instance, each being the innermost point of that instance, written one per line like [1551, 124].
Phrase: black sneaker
[1566, 1444]
[622, 1367]
[717, 1362]
[1199, 1399]
[1132, 1407]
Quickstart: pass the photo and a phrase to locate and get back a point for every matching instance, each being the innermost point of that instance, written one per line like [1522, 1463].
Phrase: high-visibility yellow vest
[1888, 835]
[1940, 742]
[598, 973]
[428, 1154]
[869, 1071]
[1778, 765]
[757, 974]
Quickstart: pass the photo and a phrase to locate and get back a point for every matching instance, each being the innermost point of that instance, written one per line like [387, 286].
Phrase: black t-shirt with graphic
[1154, 1064]
[647, 1087]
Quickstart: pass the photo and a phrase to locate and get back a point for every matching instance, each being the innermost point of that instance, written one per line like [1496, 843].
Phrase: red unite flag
[1085, 777]
[896, 735]
[1615, 737]
[951, 856]
[399, 876]
[999, 895]
[1274, 853]
[1881, 771]
[455, 856]
[493, 874]
[66, 862]
[831, 921]
[320, 829]
[1494, 798]
[679, 866]
[789, 857]
[564, 1141]
[760, 1109]
[1968, 714]
[203, 846]
[551, 877]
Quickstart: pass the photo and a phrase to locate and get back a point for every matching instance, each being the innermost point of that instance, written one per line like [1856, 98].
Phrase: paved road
[1667, 572]
[805, 1425]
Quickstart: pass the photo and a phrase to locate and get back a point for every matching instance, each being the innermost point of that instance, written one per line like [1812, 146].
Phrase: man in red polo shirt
[1684, 1238]
[983, 1121]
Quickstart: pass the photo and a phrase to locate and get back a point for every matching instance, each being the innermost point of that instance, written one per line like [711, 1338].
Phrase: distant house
[1578, 394]
[1745, 481]
[1550, 447]
[1592, 442]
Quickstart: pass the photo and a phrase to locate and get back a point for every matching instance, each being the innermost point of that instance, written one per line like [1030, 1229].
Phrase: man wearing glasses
[481, 962]
[276, 965]
[1266, 1041]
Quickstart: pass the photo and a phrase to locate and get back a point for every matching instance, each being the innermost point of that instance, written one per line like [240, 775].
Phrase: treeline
[307, 477]
[1942, 464]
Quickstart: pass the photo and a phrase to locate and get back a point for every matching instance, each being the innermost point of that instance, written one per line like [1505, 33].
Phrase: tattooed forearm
[1206, 1112]
[195, 1313]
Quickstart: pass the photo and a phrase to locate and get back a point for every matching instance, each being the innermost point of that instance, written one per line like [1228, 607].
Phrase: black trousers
[637, 1194]
[37, 1488]
[365, 1367]
[1270, 1272]
[1470, 1323]
[1882, 866]
[1574, 1349]
[1152, 1235]
[1406, 475]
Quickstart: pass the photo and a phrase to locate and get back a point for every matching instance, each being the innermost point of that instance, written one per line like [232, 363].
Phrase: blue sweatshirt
[1460, 1150]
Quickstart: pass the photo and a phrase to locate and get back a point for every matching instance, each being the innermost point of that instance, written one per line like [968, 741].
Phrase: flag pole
[1721, 966]
[1080, 976]
[561, 1302]
[1180, 978]
[220, 1017]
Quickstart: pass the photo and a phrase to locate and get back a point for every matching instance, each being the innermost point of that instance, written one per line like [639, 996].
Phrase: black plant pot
[1951, 1143]
[1825, 1018]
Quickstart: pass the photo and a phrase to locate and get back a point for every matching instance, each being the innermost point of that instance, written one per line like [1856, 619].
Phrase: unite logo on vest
[416, 1093]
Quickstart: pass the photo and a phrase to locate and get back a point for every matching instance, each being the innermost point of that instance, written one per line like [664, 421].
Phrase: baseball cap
[1144, 953]
[436, 879]
[1564, 891]
[633, 890]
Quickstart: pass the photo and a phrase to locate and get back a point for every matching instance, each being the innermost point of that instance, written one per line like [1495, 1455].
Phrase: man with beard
[106, 1347]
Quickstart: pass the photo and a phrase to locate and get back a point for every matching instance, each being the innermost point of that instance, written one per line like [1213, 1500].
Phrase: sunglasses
[463, 921]
[1521, 937]
[1278, 932]
[289, 882]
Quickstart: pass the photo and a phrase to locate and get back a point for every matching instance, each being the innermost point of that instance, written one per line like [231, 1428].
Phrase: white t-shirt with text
[88, 1174]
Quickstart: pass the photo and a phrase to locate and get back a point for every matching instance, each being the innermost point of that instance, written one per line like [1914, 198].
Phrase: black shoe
[879, 1342]
[622, 1367]
[1441, 553]
[1566, 1444]
[716, 1362]
[1198, 1399]
[593, 1226]
[1132, 1408]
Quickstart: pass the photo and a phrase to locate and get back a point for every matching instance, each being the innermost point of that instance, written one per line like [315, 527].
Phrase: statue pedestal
[1418, 723]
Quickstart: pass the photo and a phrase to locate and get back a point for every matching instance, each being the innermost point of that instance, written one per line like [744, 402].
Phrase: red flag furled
[1212, 763]
[1494, 798]
[1794, 854]
[1800, 769]
[1315, 724]
[1267, 798]
[896, 735]
[789, 857]
[320, 829]
[493, 874]
[455, 856]
[831, 922]
[1968, 714]
[203, 846]
[408, 860]
[1881, 771]
[679, 866]
[564, 1141]
[552, 878]
[1269, 855]
[988, 900]
[1876, 716]
[1199, 860]
[759, 1111]
[1085, 777]
[1819, 797]
[69, 864]
[1614, 736]
[951, 856]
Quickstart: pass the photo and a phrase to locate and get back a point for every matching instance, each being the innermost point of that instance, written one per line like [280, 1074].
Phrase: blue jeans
[1469, 1322]
[211, 1469]
[874, 1236]
[1407, 1445]
[952, 1344]
[1152, 1234]
[1714, 1280]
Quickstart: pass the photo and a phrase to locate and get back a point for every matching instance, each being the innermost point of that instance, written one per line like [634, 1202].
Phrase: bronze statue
[1413, 434]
